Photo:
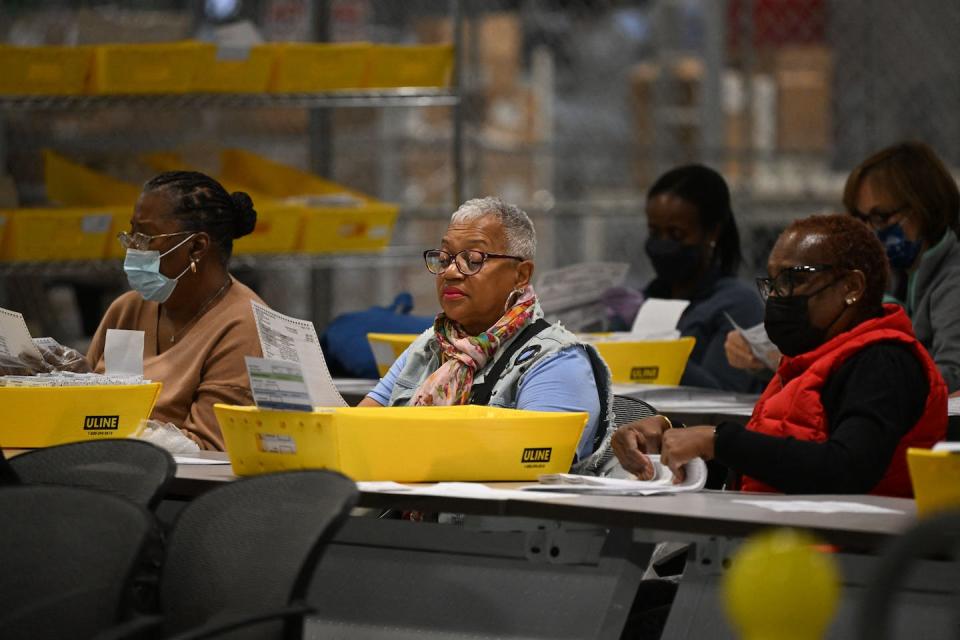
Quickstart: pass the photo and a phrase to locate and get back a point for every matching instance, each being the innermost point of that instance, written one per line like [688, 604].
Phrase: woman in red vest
[854, 389]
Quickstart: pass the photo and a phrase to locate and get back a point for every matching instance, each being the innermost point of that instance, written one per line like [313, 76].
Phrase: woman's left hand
[680, 446]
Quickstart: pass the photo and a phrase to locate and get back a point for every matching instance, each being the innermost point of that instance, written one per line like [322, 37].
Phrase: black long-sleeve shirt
[870, 402]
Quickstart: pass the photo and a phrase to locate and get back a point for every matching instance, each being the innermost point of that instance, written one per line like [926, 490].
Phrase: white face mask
[143, 273]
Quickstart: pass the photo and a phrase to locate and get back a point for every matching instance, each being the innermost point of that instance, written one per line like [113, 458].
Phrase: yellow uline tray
[642, 361]
[45, 416]
[404, 444]
[936, 479]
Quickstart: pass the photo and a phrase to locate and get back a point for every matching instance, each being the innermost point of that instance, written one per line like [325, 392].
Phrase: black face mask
[787, 322]
[673, 261]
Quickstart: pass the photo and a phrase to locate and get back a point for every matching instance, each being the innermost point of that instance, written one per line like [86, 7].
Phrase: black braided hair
[200, 203]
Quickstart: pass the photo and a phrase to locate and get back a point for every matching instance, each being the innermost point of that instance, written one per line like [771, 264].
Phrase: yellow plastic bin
[72, 184]
[232, 71]
[279, 225]
[45, 416]
[79, 233]
[394, 66]
[44, 70]
[335, 218]
[648, 361]
[404, 444]
[387, 347]
[312, 68]
[936, 479]
[150, 68]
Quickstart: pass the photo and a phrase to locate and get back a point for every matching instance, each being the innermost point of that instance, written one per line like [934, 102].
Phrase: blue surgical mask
[143, 273]
[901, 252]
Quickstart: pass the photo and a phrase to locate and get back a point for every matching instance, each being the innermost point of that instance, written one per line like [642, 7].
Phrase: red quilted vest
[791, 406]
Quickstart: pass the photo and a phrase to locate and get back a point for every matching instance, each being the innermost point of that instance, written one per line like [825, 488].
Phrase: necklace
[209, 301]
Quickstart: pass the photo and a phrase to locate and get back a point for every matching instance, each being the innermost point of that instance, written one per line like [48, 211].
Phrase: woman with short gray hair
[490, 344]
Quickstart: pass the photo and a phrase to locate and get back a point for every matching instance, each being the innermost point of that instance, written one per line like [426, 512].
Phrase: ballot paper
[657, 319]
[816, 506]
[295, 341]
[15, 337]
[578, 284]
[949, 447]
[123, 353]
[953, 406]
[662, 482]
[759, 342]
[277, 384]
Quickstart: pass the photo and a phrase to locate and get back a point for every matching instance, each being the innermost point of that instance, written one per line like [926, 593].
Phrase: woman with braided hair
[197, 320]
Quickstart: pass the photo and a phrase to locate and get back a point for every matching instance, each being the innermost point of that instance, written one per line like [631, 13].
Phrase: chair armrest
[221, 626]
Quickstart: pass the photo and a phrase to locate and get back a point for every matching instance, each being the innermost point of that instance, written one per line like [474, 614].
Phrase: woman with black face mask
[854, 389]
[906, 196]
[694, 247]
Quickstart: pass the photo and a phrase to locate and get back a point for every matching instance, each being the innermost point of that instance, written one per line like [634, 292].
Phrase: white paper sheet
[295, 340]
[758, 342]
[15, 337]
[190, 460]
[953, 406]
[695, 480]
[459, 490]
[816, 506]
[578, 284]
[951, 447]
[657, 319]
[123, 353]
[277, 384]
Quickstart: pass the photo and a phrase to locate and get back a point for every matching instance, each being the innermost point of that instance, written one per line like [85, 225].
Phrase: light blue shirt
[564, 382]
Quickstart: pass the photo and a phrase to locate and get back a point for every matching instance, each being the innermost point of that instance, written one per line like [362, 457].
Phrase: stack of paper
[662, 482]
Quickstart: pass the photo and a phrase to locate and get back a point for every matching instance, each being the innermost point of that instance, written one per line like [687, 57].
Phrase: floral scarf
[462, 355]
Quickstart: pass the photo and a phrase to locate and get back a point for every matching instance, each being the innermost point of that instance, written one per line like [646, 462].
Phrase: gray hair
[521, 236]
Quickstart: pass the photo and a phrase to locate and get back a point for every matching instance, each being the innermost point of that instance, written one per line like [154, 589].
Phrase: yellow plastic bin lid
[387, 347]
[403, 444]
[646, 361]
[936, 479]
[45, 416]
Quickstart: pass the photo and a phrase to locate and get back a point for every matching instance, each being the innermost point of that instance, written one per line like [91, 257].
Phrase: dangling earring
[193, 265]
[512, 298]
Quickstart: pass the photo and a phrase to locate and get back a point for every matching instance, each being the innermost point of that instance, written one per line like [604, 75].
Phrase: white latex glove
[166, 436]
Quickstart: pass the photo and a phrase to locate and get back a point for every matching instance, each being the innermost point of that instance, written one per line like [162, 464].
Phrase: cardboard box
[803, 78]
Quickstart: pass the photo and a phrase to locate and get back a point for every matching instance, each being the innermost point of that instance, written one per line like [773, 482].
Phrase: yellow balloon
[780, 586]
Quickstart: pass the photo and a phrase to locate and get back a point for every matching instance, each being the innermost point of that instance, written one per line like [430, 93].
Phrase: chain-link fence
[571, 108]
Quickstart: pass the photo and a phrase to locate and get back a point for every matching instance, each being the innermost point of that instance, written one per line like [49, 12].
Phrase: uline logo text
[536, 455]
[101, 423]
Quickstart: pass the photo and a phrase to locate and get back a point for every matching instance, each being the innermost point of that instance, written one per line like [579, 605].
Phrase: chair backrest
[133, 469]
[935, 535]
[251, 545]
[67, 556]
[627, 409]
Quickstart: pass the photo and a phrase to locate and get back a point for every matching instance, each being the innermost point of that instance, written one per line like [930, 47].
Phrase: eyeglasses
[141, 241]
[468, 261]
[783, 283]
[878, 219]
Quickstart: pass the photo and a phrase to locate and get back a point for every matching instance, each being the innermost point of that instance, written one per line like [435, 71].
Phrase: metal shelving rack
[320, 153]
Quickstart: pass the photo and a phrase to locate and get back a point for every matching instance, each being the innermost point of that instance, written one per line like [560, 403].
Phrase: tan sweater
[204, 367]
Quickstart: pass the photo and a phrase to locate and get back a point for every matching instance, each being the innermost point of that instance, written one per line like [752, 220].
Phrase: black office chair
[240, 557]
[627, 409]
[133, 469]
[67, 556]
[933, 536]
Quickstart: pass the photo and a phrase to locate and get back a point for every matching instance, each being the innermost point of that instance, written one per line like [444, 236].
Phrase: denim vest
[423, 358]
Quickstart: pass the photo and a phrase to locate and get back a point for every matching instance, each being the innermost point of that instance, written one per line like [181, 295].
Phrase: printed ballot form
[658, 318]
[295, 341]
[759, 342]
[15, 337]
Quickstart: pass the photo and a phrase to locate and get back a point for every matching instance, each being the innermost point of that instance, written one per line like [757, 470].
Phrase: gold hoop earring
[512, 298]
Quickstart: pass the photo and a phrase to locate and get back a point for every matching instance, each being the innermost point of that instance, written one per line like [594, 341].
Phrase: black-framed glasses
[141, 241]
[878, 219]
[468, 261]
[783, 283]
